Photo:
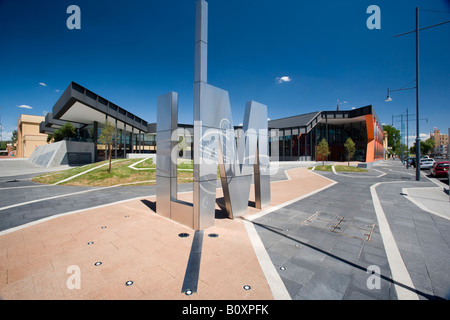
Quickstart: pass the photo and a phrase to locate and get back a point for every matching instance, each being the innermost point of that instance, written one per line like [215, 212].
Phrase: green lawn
[120, 174]
[147, 164]
[339, 168]
[349, 169]
[323, 168]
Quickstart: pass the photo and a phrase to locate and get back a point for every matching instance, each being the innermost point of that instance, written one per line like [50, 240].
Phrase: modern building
[88, 112]
[297, 136]
[28, 135]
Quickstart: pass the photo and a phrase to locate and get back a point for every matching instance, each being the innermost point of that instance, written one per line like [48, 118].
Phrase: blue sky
[132, 51]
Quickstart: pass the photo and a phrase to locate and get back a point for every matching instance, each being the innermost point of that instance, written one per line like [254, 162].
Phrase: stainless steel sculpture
[166, 170]
[167, 202]
[239, 158]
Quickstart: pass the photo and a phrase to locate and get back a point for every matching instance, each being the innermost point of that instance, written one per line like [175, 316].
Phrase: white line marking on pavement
[51, 198]
[81, 173]
[77, 211]
[420, 205]
[398, 268]
[274, 280]
[66, 214]
[354, 176]
[73, 193]
[131, 166]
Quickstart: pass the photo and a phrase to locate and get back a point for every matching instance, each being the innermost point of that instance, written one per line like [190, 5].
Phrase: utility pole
[417, 99]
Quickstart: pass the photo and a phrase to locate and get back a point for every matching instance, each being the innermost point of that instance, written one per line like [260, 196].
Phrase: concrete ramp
[63, 153]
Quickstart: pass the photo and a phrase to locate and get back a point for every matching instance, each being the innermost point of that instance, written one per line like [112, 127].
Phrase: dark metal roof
[77, 93]
[301, 120]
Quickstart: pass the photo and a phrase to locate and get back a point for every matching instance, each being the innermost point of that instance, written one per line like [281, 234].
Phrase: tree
[14, 138]
[425, 146]
[323, 150]
[350, 148]
[393, 138]
[107, 136]
[66, 132]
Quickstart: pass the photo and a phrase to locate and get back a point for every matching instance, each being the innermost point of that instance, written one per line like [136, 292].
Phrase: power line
[434, 11]
[435, 25]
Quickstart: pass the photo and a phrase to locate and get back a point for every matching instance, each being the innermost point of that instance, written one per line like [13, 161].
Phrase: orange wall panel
[370, 139]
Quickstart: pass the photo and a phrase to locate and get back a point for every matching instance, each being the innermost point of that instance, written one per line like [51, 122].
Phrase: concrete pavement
[321, 239]
[324, 245]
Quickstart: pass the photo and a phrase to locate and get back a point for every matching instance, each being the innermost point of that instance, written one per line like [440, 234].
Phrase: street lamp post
[416, 87]
[417, 99]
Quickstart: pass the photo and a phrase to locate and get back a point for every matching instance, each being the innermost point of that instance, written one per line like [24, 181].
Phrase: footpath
[320, 239]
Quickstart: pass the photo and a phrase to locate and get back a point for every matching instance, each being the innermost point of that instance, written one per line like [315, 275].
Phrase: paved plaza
[327, 235]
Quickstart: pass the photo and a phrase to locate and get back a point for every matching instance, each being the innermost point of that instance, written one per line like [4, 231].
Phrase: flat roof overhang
[79, 105]
[306, 122]
[44, 129]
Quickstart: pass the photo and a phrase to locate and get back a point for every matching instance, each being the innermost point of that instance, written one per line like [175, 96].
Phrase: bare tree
[107, 137]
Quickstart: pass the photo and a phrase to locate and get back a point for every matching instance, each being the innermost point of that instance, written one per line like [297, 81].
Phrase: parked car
[440, 169]
[426, 163]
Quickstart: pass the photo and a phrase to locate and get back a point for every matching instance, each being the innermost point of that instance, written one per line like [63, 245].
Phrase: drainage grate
[355, 228]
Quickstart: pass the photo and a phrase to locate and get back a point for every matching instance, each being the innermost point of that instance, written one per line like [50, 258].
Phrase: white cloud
[24, 106]
[283, 79]
[412, 138]
[6, 136]
[42, 84]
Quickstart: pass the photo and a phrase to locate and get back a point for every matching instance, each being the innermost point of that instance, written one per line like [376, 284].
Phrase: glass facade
[296, 146]
[292, 145]
[291, 139]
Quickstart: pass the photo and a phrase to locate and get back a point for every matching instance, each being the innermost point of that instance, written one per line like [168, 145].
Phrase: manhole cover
[355, 228]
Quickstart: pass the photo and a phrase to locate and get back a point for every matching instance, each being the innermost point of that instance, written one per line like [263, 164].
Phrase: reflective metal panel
[166, 169]
[239, 156]
[214, 144]
[201, 41]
